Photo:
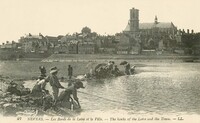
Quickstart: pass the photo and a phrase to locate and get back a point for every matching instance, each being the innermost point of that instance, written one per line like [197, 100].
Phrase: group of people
[111, 69]
[66, 97]
[128, 69]
[106, 70]
[114, 70]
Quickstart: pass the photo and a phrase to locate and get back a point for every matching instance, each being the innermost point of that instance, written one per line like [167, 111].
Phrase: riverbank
[104, 57]
[16, 99]
[160, 87]
[114, 57]
[29, 70]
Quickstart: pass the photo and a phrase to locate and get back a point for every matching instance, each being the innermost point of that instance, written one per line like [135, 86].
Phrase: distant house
[135, 50]
[9, 50]
[61, 48]
[52, 43]
[73, 47]
[178, 37]
[122, 50]
[126, 44]
[63, 40]
[107, 50]
[8, 45]
[35, 44]
[122, 39]
[196, 49]
[108, 42]
[86, 47]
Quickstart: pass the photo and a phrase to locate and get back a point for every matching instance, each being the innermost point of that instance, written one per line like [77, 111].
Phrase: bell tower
[134, 20]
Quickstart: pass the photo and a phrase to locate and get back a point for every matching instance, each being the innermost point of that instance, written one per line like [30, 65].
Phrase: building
[155, 35]
[52, 40]
[10, 50]
[123, 45]
[86, 47]
[129, 41]
[61, 48]
[34, 43]
[73, 47]
[8, 45]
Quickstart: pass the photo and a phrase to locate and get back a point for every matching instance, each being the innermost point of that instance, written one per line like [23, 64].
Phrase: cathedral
[150, 36]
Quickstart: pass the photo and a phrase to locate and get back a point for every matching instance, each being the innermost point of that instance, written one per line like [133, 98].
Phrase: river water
[157, 87]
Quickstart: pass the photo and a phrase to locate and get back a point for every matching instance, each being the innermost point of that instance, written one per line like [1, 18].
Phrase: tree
[86, 30]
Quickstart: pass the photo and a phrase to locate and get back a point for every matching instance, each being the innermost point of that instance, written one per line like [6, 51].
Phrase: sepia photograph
[107, 61]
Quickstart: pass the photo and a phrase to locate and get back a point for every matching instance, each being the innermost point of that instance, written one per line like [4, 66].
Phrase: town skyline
[104, 17]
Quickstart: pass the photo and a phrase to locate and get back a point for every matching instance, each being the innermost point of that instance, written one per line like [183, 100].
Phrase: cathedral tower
[134, 20]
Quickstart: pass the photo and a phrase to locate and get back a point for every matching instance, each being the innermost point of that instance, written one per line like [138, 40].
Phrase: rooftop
[152, 25]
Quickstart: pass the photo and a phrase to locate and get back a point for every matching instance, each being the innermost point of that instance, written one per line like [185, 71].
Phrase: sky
[61, 17]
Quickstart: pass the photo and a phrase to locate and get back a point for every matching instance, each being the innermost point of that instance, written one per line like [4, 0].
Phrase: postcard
[105, 61]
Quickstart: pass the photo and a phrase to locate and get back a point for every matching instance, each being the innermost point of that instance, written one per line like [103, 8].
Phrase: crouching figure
[68, 98]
